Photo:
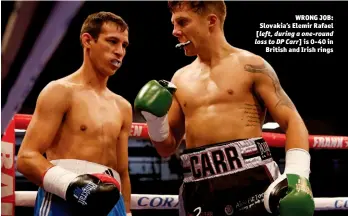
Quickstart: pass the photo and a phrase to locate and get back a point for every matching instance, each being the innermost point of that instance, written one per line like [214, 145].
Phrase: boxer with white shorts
[83, 129]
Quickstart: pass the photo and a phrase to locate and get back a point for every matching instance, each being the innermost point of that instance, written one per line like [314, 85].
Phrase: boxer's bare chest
[201, 86]
[94, 114]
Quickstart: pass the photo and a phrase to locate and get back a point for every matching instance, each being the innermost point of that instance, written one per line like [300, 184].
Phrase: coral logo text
[341, 204]
[164, 202]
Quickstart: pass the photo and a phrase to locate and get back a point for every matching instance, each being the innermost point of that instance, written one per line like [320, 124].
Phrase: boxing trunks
[48, 204]
[227, 178]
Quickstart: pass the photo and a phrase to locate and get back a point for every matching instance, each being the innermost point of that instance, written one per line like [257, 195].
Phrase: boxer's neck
[215, 49]
[92, 77]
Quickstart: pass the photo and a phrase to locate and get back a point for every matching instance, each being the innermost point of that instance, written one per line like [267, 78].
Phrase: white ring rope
[151, 201]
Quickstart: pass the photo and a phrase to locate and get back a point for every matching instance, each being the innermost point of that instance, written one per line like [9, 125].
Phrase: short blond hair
[201, 7]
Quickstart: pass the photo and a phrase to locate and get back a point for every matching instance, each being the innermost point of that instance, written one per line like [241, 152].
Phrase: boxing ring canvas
[10, 198]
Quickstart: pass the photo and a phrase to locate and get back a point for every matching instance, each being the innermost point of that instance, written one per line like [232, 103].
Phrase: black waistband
[249, 148]
[197, 149]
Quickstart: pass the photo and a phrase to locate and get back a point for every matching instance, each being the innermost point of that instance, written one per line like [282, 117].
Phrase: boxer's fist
[155, 97]
[290, 195]
[154, 101]
[93, 194]
[87, 194]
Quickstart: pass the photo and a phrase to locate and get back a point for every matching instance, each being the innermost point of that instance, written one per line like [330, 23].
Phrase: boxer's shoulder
[59, 84]
[248, 58]
[66, 85]
[181, 73]
[255, 64]
[122, 102]
[56, 89]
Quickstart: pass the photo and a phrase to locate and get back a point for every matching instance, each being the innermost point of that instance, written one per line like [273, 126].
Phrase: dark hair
[94, 22]
[201, 7]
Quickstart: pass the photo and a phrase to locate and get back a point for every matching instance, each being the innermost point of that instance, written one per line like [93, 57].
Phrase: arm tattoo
[283, 99]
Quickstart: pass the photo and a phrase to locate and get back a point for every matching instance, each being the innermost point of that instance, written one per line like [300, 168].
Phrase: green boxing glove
[154, 101]
[291, 193]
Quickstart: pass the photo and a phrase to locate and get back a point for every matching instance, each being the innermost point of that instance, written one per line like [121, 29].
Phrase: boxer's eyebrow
[112, 38]
[126, 42]
[180, 18]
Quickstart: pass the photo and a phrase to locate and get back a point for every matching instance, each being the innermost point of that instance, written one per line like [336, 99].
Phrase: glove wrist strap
[297, 161]
[158, 127]
[57, 180]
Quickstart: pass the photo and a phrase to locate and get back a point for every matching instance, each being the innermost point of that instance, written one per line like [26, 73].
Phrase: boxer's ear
[212, 20]
[86, 40]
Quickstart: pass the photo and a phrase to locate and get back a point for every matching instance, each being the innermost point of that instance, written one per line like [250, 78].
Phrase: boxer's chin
[109, 71]
[190, 51]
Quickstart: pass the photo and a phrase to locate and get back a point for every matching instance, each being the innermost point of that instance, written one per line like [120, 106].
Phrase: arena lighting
[270, 125]
[47, 41]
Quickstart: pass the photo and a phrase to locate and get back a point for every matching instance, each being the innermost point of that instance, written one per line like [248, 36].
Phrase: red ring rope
[21, 121]
[139, 130]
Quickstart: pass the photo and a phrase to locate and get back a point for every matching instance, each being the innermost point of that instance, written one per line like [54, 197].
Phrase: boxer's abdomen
[222, 122]
[96, 144]
[92, 150]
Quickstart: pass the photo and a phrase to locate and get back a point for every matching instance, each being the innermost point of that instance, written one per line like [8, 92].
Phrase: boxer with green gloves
[291, 193]
[154, 101]
[219, 105]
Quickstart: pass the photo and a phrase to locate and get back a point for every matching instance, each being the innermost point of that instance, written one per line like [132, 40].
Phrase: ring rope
[11, 198]
[139, 130]
[156, 201]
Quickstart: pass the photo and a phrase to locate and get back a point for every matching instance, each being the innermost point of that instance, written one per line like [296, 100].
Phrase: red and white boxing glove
[88, 194]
